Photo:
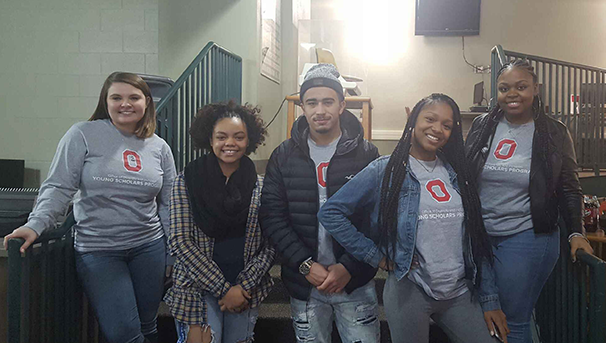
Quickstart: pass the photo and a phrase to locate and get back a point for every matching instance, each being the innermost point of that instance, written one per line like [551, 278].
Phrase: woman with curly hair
[221, 273]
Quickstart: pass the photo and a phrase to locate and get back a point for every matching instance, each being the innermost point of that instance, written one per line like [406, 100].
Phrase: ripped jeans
[226, 327]
[356, 316]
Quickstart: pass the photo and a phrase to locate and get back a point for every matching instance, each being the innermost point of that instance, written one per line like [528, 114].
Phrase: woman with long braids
[425, 228]
[525, 166]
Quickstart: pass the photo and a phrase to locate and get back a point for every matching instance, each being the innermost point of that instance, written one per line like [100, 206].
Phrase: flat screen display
[447, 17]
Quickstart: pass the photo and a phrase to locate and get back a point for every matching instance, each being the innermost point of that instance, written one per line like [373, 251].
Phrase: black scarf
[220, 210]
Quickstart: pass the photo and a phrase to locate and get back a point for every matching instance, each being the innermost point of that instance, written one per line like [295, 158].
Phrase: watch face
[305, 267]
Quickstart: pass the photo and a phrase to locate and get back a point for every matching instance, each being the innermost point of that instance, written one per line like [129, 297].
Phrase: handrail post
[597, 305]
[497, 55]
[14, 290]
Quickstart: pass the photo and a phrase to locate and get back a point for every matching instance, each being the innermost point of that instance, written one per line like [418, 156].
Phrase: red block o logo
[322, 168]
[505, 144]
[438, 190]
[132, 161]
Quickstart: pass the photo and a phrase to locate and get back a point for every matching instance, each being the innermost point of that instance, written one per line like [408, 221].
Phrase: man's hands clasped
[328, 280]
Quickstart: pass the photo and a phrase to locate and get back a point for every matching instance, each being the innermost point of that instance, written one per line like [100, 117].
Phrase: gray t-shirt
[123, 184]
[505, 179]
[439, 245]
[321, 155]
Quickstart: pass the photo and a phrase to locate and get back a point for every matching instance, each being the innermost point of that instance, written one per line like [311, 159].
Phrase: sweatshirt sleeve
[62, 183]
[163, 198]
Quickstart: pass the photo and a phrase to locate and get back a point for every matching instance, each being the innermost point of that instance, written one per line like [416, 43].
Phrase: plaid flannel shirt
[195, 274]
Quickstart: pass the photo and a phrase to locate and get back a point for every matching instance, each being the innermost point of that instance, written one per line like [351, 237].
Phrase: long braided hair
[541, 136]
[454, 154]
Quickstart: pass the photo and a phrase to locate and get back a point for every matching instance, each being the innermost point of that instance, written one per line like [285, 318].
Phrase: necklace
[514, 130]
[423, 165]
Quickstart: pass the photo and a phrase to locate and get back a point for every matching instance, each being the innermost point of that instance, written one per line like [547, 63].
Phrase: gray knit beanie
[322, 75]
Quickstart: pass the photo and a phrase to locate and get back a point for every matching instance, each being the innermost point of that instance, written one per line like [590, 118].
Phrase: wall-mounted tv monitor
[447, 18]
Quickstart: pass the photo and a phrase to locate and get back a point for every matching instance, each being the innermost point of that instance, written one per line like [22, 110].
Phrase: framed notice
[271, 40]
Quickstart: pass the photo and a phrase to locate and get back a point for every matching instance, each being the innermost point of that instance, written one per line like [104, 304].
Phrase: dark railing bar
[178, 138]
[564, 306]
[569, 105]
[45, 296]
[577, 110]
[173, 133]
[575, 113]
[549, 60]
[601, 123]
[194, 107]
[213, 64]
[15, 285]
[595, 114]
[191, 109]
[582, 111]
[545, 83]
[186, 117]
[565, 96]
[223, 83]
[570, 299]
[597, 120]
[550, 88]
[561, 330]
[556, 105]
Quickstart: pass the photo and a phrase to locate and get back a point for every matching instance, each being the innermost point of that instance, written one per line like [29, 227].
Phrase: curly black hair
[204, 122]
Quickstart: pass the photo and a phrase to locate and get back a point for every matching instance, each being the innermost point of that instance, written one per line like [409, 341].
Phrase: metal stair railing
[572, 305]
[571, 92]
[215, 75]
[45, 302]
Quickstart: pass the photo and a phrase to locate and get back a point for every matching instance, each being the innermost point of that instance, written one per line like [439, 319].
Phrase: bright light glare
[375, 28]
[307, 46]
[268, 10]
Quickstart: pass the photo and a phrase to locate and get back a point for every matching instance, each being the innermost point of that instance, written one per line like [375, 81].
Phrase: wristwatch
[305, 266]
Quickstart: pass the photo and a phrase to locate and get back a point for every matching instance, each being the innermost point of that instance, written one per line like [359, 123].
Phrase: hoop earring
[536, 107]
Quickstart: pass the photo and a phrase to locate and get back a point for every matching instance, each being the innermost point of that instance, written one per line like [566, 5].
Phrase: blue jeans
[124, 288]
[226, 327]
[356, 316]
[523, 262]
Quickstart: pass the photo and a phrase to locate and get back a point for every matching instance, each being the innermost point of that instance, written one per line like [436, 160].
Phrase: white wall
[54, 57]
[374, 39]
[186, 26]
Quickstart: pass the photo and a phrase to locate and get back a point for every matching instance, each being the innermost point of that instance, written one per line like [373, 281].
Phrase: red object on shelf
[591, 213]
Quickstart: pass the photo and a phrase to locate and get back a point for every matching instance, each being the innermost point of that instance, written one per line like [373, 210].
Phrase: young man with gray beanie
[326, 149]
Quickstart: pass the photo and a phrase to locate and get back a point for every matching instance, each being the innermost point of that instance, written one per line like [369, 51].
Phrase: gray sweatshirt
[123, 186]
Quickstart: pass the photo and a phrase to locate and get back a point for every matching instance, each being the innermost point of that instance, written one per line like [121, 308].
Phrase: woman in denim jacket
[425, 228]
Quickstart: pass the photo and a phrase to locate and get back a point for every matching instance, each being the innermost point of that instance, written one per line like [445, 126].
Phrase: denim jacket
[363, 193]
